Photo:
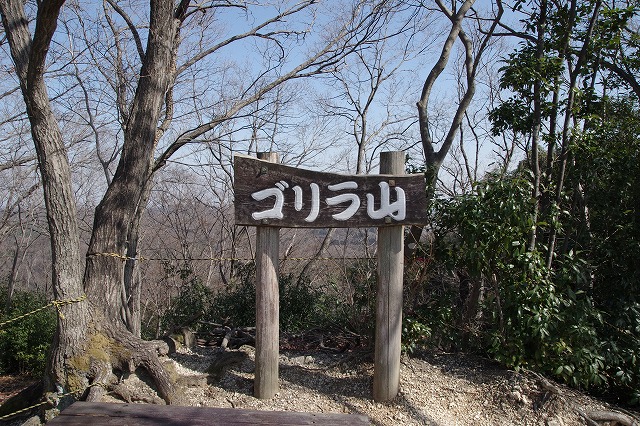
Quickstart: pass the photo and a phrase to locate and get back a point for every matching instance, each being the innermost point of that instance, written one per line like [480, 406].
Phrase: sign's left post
[267, 305]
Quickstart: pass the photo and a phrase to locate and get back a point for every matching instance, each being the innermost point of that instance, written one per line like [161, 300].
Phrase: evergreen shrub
[25, 343]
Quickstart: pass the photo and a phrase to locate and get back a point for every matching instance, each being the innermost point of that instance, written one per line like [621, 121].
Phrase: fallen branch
[227, 338]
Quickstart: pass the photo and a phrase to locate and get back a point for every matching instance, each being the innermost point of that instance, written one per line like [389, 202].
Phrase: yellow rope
[60, 303]
[142, 258]
[57, 303]
[6, 416]
[213, 259]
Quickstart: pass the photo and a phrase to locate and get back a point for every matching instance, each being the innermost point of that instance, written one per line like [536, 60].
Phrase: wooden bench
[98, 414]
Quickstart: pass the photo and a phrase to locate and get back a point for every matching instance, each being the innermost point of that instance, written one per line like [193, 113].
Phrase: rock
[32, 421]
[554, 422]
[172, 345]
[222, 362]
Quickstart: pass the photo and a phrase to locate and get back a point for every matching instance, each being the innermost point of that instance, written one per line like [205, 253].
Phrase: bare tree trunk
[29, 57]
[117, 216]
[69, 368]
[12, 278]
[433, 158]
[564, 150]
[131, 289]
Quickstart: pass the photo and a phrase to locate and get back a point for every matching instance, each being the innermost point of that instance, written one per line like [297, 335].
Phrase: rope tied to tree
[213, 259]
[57, 303]
[51, 400]
[60, 303]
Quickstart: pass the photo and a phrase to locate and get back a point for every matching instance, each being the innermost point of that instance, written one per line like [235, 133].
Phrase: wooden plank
[267, 308]
[313, 199]
[98, 414]
[386, 376]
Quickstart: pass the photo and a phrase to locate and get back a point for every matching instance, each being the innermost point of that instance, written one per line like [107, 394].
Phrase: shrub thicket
[24, 343]
[302, 306]
[558, 321]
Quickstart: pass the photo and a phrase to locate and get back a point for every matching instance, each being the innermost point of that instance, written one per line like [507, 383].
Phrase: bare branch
[17, 163]
[131, 25]
[346, 41]
[434, 159]
[438, 68]
[251, 33]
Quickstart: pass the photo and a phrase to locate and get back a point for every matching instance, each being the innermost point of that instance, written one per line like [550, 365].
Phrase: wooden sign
[271, 194]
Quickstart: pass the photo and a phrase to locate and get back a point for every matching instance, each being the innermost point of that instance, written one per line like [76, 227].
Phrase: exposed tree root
[610, 416]
[591, 417]
[111, 350]
[101, 372]
[88, 370]
[132, 352]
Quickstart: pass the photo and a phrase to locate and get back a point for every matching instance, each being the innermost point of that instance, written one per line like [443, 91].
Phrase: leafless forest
[119, 121]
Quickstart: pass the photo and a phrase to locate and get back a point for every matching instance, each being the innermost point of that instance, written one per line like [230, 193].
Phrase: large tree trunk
[86, 347]
[29, 58]
[117, 216]
[118, 211]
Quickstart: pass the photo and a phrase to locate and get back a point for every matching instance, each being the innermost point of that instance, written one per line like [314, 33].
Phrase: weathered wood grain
[386, 376]
[267, 308]
[99, 414]
[253, 175]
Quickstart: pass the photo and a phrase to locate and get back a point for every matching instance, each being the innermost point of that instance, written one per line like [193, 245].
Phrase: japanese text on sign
[396, 209]
[276, 195]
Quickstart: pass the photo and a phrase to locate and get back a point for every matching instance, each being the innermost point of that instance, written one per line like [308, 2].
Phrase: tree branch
[131, 25]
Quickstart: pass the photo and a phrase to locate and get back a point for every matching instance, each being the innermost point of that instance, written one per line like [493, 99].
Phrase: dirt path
[436, 389]
[11, 385]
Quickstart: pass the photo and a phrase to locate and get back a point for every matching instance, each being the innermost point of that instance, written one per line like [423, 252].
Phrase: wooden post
[386, 376]
[267, 305]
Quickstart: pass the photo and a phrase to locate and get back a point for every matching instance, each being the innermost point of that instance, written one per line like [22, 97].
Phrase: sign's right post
[386, 376]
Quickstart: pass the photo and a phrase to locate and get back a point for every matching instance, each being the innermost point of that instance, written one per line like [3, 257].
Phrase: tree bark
[116, 220]
[116, 213]
[81, 337]
[29, 58]
[433, 158]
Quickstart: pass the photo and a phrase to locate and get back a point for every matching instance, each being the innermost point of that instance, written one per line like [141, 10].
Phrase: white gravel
[438, 389]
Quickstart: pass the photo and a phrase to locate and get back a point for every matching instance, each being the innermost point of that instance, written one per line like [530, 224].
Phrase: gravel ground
[436, 389]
